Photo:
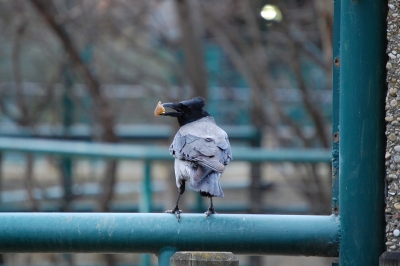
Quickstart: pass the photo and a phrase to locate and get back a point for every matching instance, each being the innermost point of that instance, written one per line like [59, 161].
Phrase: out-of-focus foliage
[275, 74]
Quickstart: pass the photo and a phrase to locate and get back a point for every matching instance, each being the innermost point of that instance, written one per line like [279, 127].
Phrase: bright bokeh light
[271, 12]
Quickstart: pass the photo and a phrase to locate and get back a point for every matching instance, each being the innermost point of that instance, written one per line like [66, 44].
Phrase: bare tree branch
[45, 8]
[106, 117]
[308, 105]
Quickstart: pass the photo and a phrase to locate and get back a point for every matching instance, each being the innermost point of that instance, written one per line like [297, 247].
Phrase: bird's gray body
[201, 150]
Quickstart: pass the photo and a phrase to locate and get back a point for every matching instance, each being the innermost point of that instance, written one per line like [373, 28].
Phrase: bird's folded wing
[226, 156]
[204, 151]
[210, 162]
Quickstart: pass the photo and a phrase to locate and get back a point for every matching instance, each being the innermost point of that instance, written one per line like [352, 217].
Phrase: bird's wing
[203, 151]
[226, 155]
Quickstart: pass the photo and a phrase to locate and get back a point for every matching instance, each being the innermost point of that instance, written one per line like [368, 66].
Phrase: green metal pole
[145, 200]
[1, 176]
[165, 254]
[145, 259]
[67, 175]
[199, 203]
[68, 117]
[335, 108]
[150, 232]
[362, 127]
[142, 152]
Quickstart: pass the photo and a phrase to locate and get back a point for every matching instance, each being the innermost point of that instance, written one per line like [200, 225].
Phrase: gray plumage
[201, 150]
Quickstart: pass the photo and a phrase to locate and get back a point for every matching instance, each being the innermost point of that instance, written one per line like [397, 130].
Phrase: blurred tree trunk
[324, 16]
[190, 39]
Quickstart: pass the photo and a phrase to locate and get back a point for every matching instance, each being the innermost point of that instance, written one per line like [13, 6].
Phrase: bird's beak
[175, 106]
[160, 109]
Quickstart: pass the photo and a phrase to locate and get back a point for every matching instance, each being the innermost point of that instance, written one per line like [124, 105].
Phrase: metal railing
[158, 233]
[247, 134]
[148, 154]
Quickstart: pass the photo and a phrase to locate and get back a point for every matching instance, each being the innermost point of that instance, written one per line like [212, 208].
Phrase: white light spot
[271, 12]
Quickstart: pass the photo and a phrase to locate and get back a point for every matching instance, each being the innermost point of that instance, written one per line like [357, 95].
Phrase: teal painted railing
[162, 235]
[362, 131]
[149, 154]
[124, 132]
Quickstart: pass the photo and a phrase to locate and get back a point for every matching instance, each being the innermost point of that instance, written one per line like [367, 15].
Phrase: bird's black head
[187, 111]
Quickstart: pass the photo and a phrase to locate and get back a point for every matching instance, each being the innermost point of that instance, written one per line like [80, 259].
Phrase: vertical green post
[145, 259]
[256, 193]
[145, 200]
[335, 108]
[199, 203]
[362, 144]
[1, 175]
[68, 117]
[66, 168]
[165, 255]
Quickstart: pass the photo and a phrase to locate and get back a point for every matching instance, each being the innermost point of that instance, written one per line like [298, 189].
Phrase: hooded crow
[201, 150]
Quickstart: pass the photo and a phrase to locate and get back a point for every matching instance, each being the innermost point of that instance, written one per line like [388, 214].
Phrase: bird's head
[185, 111]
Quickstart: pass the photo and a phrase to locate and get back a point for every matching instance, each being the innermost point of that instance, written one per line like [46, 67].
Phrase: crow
[201, 150]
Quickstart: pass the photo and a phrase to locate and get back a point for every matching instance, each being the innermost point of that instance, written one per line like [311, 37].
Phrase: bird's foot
[209, 212]
[175, 211]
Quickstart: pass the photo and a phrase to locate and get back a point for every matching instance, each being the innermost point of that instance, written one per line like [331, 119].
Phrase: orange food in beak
[159, 109]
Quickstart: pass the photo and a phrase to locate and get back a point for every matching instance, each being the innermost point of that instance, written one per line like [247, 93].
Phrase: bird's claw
[209, 212]
[175, 211]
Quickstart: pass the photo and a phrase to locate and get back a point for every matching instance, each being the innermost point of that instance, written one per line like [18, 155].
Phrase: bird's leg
[176, 209]
[211, 209]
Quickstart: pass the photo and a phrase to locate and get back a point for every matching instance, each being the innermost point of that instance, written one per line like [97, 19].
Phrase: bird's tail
[209, 184]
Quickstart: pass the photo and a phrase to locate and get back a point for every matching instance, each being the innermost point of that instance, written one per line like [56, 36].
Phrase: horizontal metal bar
[86, 189]
[94, 189]
[130, 132]
[141, 152]
[149, 233]
[84, 132]
[284, 155]
[134, 207]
